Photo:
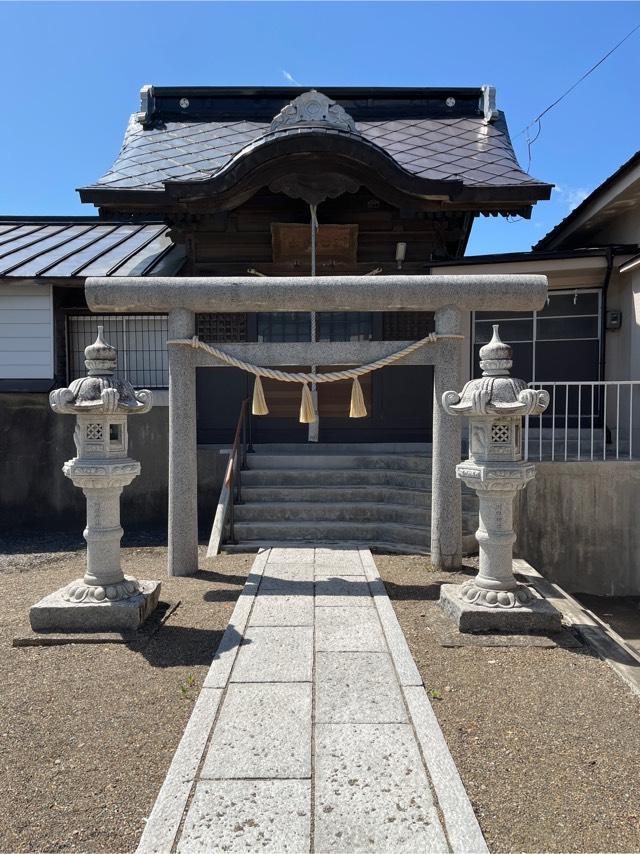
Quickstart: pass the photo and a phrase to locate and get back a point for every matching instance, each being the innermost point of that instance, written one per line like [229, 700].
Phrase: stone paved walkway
[313, 731]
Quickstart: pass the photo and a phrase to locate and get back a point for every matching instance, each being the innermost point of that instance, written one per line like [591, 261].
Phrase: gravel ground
[547, 741]
[87, 732]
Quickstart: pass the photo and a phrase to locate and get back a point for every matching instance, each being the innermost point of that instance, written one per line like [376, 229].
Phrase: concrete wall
[577, 523]
[34, 443]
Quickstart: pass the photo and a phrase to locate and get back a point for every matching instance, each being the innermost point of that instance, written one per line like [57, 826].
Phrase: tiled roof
[465, 148]
[85, 247]
[425, 138]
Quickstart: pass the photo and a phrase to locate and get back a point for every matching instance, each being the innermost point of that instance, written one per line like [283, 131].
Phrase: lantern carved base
[59, 613]
[514, 598]
[536, 615]
[79, 591]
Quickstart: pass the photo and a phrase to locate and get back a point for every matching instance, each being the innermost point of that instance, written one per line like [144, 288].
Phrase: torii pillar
[183, 449]
[446, 495]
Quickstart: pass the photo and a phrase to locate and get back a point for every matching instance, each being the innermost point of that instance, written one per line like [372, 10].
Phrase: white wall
[26, 332]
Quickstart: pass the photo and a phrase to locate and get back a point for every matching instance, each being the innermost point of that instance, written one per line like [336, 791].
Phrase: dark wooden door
[400, 405]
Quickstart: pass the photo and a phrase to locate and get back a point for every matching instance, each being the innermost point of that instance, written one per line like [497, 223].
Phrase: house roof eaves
[531, 256]
[564, 227]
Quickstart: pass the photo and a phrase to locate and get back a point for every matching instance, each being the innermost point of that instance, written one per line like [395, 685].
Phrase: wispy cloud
[290, 78]
[571, 197]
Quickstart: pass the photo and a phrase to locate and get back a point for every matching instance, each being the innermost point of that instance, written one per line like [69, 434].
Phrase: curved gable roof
[187, 135]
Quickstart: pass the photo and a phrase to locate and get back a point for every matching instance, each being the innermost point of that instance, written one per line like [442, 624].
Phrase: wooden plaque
[291, 243]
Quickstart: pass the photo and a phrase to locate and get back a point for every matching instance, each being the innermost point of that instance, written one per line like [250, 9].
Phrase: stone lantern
[495, 404]
[104, 599]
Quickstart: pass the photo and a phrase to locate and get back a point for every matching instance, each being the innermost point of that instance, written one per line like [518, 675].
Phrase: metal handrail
[231, 492]
[233, 475]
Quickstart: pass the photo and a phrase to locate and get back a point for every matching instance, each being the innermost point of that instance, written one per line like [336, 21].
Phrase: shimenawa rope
[307, 412]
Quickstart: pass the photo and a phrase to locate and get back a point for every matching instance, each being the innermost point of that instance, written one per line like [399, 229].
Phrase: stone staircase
[374, 495]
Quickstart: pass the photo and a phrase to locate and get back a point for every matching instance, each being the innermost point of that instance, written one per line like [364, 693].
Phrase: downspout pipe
[603, 319]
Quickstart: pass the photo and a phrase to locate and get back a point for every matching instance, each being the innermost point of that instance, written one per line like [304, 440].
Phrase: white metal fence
[585, 421]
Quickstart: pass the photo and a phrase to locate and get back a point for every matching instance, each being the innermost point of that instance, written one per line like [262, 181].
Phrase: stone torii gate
[182, 297]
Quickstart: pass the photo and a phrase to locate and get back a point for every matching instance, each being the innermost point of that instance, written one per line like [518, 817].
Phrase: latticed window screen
[283, 326]
[330, 326]
[344, 326]
[140, 339]
[94, 432]
[218, 328]
[500, 434]
[406, 325]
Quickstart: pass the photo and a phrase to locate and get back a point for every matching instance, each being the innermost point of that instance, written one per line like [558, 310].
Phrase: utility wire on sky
[577, 83]
[555, 103]
[537, 120]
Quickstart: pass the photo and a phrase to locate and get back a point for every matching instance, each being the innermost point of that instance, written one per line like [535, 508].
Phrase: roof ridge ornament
[313, 108]
[488, 103]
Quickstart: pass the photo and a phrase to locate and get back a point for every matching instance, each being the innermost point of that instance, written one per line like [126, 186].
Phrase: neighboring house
[578, 519]
[224, 182]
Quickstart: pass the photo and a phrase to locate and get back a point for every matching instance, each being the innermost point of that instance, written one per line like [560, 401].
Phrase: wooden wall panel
[334, 399]
[243, 237]
[283, 399]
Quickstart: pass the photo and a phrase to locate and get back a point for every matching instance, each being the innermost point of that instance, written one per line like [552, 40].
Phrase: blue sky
[71, 74]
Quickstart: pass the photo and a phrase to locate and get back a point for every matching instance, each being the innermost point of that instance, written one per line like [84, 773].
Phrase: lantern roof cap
[496, 393]
[100, 392]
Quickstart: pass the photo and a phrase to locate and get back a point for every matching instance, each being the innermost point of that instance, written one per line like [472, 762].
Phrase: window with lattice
[220, 328]
[94, 432]
[500, 434]
[406, 325]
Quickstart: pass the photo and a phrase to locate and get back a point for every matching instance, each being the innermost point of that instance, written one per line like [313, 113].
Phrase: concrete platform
[313, 731]
[538, 616]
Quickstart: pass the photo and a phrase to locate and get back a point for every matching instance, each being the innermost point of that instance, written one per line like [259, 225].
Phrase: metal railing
[584, 421]
[231, 492]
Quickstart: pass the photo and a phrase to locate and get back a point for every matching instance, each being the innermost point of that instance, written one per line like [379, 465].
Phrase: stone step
[393, 462]
[370, 495]
[347, 493]
[469, 546]
[379, 547]
[344, 447]
[314, 477]
[334, 531]
[317, 511]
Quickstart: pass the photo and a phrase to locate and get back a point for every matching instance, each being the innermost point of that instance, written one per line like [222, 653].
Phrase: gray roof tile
[480, 154]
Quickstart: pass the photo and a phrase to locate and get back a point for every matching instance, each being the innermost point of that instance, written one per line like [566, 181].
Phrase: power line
[571, 88]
